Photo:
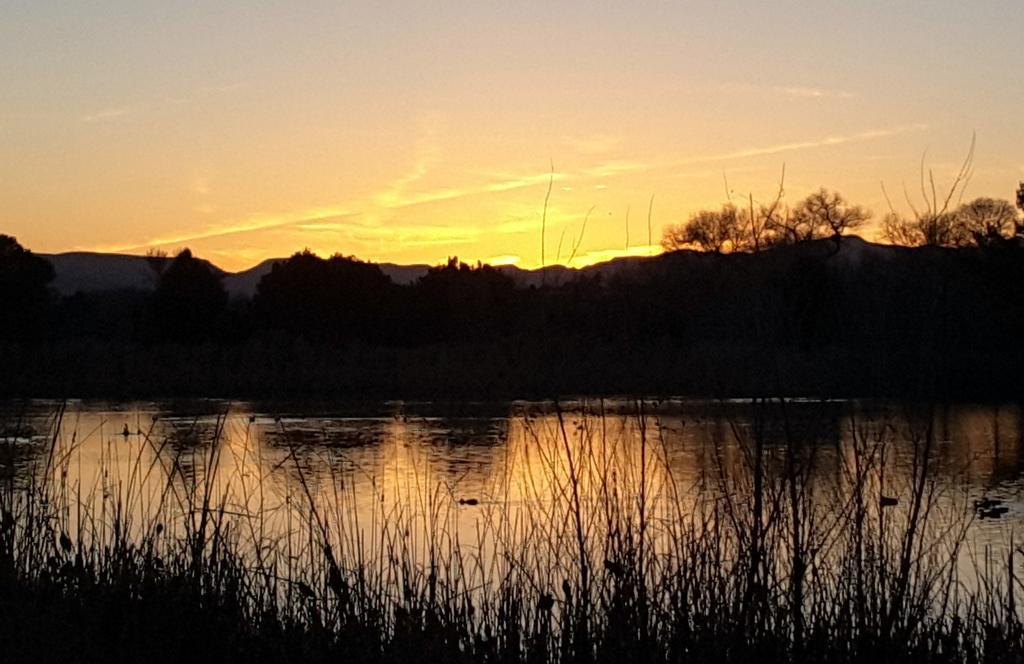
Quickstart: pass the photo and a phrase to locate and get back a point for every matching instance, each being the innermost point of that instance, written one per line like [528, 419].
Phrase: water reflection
[491, 475]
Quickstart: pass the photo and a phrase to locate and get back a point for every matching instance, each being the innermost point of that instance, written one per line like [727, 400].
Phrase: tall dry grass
[587, 549]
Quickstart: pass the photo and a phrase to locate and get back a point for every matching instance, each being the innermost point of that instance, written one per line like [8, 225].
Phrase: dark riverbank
[823, 318]
[290, 368]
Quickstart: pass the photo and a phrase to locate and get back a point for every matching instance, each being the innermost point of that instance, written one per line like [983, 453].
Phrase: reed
[588, 549]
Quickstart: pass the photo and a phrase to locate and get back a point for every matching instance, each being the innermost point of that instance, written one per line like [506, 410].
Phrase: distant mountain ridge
[92, 272]
[89, 272]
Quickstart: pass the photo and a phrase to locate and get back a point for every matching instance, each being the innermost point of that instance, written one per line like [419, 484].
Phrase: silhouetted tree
[189, 300]
[759, 224]
[332, 299]
[718, 231]
[898, 230]
[982, 221]
[935, 223]
[822, 214]
[24, 293]
[988, 220]
[460, 302]
[926, 229]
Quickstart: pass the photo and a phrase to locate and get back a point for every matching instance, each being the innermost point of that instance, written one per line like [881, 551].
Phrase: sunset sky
[413, 131]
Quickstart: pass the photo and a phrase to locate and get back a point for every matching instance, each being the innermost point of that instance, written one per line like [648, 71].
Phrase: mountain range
[88, 272]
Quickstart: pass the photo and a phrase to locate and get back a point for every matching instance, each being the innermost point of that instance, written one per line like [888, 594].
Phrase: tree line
[325, 300]
[826, 214]
[742, 316]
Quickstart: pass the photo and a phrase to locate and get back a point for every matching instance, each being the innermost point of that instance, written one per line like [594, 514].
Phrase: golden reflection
[531, 479]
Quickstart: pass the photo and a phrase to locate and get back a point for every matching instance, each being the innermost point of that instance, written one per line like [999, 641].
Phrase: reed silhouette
[608, 557]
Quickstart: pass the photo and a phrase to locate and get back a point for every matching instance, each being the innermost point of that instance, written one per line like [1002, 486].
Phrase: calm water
[495, 477]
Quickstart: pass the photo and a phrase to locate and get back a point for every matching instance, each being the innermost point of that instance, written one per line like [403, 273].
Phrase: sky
[413, 131]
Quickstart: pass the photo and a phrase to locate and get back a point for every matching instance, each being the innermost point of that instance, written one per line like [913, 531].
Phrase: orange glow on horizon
[411, 136]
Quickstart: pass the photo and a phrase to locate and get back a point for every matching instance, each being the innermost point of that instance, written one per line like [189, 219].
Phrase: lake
[532, 478]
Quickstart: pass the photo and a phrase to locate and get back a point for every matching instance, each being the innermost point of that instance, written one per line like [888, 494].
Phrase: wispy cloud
[424, 232]
[402, 192]
[814, 93]
[795, 91]
[251, 225]
[107, 114]
[353, 219]
[427, 153]
[506, 183]
[361, 221]
[417, 234]
[828, 141]
[611, 168]
[153, 103]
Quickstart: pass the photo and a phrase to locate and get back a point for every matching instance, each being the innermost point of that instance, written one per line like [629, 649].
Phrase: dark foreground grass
[616, 561]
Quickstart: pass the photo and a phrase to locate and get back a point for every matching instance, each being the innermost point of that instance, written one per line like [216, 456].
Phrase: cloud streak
[327, 219]
[813, 93]
[509, 183]
[794, 91]
[246, 226]
[612, 168]
[358, 220]
[107, 114]
[828, 141]
[407, 234]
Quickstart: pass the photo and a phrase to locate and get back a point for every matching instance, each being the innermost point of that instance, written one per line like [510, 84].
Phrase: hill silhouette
[91, 272]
